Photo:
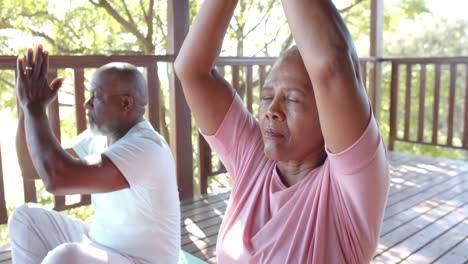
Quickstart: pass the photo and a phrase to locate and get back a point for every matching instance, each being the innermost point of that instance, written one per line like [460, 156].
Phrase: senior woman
[310, 177]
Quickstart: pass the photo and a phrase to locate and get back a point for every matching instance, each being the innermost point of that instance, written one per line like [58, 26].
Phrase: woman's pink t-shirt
[331, 216]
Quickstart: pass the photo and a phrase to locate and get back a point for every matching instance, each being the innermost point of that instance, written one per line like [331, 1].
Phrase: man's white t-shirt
[142, 221]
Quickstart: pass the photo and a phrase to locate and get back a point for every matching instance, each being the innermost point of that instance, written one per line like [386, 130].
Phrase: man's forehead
[100, 80]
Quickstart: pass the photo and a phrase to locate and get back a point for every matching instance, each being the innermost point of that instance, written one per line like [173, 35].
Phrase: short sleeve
[238, 139]
[359, 154]
[142, 161]
[360, 182]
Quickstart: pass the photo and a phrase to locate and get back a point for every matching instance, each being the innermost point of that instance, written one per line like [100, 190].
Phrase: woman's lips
[273, 133]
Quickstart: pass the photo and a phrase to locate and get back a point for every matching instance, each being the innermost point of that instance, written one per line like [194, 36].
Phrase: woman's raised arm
[207, 93]
[332, 64]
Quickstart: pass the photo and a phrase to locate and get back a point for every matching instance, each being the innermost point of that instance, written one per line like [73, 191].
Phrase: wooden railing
[427, 96]
[408, 117]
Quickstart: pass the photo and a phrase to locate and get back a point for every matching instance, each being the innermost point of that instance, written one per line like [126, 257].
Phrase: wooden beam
[376, 50]
[181, 126]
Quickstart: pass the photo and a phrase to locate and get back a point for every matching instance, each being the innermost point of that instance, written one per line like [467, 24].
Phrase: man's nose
[88, 103]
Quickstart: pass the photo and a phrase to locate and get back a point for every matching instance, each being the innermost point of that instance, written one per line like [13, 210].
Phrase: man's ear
[127, 103]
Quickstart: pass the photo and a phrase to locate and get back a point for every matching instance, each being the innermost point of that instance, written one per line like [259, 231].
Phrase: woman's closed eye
[292, 99]
[266, 98]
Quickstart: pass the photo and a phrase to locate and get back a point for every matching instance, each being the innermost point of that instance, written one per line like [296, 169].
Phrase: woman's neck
[292, 171]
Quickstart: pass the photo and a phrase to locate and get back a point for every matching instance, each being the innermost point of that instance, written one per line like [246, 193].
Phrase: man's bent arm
[24, 159]
[62, 174]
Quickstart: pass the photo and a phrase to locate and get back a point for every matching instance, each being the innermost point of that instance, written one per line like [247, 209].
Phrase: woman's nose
[275, 111]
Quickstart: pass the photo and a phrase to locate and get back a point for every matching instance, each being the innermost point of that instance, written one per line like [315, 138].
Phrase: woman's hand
[32, 86]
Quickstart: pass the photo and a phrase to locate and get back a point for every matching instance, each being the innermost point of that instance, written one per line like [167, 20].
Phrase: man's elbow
[55, 187]
[52, 178]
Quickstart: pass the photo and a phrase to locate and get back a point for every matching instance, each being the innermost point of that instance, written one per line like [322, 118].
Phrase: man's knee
[66, 253]
[19, 218]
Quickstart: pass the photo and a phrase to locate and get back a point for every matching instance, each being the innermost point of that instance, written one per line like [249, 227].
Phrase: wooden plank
[200, 223]
[54, 121]
[200, 245]
[412, 200]
[154, 99]
[404, 178]
[390, 224]
[202, 210]
[457, 254]
[3, 209]
[407, 102]
[465, 129]
[393, 105]
[187, 204]
[405, 230]
[235, 78]
[92, 61]
[376, 51]
[363, 69]
[451, 102]
[80, 111]
[249, 87]
[440, 246]
[421, 233]
[199, 234]
[204, 156]
[427, 60]
[220, 70]
[430, 144]
[422, 102]
[29, 189]
[181, 131]
[261, 76]
[422, 187]
[376, 28]
[435, 109]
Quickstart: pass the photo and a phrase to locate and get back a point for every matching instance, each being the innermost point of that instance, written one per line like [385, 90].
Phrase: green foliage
[86, 27]
[430, 36]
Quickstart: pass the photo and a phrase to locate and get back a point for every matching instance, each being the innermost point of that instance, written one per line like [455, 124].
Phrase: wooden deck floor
[426, 218]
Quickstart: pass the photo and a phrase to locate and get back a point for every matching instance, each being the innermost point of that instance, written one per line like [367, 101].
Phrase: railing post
[80, 113]
[3, 209]
[54, 121]
[154, 104]
[376, 51]
[181, 128]
[465, 128]
[393, 105]
[204, 155]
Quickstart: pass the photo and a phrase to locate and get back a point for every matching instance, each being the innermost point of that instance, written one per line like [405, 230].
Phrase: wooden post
[3, 209]
[376, 50]
[393, 105]
[181, 128]
[54, 121]
[80, 113]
